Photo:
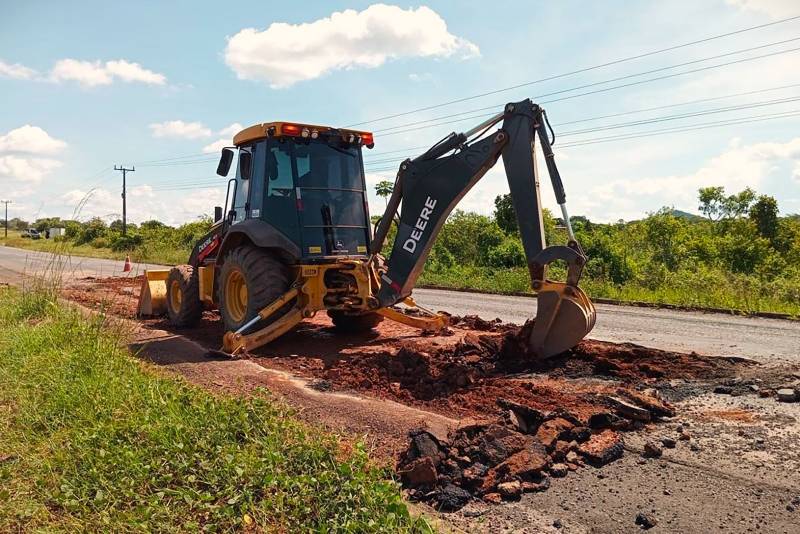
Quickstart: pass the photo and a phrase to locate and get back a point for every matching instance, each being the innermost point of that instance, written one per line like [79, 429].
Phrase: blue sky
[88, 85]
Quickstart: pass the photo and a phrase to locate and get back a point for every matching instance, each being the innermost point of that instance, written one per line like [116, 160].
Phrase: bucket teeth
[565, 315]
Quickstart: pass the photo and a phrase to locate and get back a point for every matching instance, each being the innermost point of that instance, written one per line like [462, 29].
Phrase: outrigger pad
[153, 295]
[564, 316]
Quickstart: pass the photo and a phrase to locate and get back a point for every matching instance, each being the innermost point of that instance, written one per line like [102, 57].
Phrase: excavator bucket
[153, 296]
[564, 316]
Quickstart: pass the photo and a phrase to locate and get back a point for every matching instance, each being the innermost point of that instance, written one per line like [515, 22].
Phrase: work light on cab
[290, 129]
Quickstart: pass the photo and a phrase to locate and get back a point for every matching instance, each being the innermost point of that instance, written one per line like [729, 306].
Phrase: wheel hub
[236, 296]
[175, 296]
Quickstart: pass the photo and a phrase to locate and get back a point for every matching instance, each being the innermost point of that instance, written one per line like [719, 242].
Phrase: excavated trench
[529, 420]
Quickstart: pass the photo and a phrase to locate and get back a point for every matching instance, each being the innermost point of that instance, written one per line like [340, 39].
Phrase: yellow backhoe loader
[295, 238]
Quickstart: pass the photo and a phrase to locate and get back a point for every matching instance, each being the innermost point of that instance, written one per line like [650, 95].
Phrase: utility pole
[6, 202]
[124, 203]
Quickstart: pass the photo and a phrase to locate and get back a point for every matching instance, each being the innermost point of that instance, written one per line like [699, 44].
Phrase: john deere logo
[339, 244]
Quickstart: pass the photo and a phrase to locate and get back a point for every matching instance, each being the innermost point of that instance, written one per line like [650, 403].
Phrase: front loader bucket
[153, 296]
[564, 316]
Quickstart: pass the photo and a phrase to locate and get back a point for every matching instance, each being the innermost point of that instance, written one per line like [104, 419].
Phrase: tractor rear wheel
[183, 296]
[250, 279]
[354, 323]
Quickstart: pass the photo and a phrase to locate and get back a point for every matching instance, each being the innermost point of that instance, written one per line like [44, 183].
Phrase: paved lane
[708, 333]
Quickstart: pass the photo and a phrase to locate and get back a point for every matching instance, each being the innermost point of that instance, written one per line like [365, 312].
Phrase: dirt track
[734, 467]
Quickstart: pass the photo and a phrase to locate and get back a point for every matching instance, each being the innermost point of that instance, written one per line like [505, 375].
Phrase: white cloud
[285, 54]
[22, 172]
[32, 170]
[186, 130]
[133, 72]
[776, 9]
[16, 71]
[30, 139]
[170, 207]
[230, 131]
[738, 167]
[217, 146]
[86, 73]
[94, 73]
[227, 134]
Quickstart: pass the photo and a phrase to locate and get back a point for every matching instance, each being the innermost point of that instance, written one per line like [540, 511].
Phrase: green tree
[46, 223]
[764, 213]
[711, 201]
[504, 214]
[18, 224]
[739, 204]
[715, 205]
[152, 225]
[91, 230]
[383, 189]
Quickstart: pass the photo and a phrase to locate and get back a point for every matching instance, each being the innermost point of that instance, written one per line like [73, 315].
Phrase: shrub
[126, 242]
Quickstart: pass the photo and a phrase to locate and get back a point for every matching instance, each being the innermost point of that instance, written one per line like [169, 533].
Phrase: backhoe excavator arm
[431, 185]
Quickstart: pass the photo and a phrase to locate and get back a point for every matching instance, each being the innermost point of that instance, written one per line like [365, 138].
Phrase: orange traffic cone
[127, 266]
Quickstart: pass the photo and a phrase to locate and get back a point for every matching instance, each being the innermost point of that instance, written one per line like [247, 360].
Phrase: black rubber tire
[265, 276]
[354, 323]
[191, 309]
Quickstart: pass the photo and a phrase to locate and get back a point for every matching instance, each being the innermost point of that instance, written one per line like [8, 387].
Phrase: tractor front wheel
[250, 279]
[183, 296]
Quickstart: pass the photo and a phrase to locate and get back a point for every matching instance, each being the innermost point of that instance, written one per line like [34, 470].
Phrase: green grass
[691, 289]
[93, 439]
[708, 290]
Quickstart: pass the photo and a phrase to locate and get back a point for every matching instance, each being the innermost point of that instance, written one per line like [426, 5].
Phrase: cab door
[280, 203]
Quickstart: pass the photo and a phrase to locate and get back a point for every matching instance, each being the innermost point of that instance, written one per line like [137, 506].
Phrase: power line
[617, 114]
[184, 162]
[578, 71]
[601, 90]
[652, 133]
[701, 126]
[652, 120]
[171, 158]
[593, 84]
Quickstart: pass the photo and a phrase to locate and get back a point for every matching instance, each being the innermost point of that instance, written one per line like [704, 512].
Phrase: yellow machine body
[153, 294]
[309, 294]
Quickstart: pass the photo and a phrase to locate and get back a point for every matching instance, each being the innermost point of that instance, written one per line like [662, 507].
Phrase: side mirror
[217, 213]
[225, 160]
[245, 159]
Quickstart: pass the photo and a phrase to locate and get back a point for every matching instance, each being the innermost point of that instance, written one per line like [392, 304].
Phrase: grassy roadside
[704, 290]
[92, 439]
[735, 293]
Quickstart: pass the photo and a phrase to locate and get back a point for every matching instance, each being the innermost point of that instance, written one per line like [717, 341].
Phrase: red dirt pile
[518, 452]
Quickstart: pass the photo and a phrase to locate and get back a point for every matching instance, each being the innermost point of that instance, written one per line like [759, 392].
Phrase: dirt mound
[117, 295]
[466, 378]
[518, 451]
[473, 322]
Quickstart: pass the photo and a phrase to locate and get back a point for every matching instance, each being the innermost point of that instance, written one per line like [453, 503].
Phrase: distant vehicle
[31, 234]
[56, 232]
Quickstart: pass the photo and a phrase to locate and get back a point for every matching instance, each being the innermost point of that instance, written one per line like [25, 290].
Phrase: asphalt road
[19, 262]
[708, 333]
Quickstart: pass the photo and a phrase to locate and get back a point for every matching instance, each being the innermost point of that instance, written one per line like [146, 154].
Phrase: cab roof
[295, 129]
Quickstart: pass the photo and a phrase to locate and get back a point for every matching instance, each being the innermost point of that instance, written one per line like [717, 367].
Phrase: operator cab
[305, 181]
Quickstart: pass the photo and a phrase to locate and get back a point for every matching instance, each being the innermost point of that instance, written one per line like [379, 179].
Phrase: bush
[509, 253]
[90, 231]
[126, 243]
